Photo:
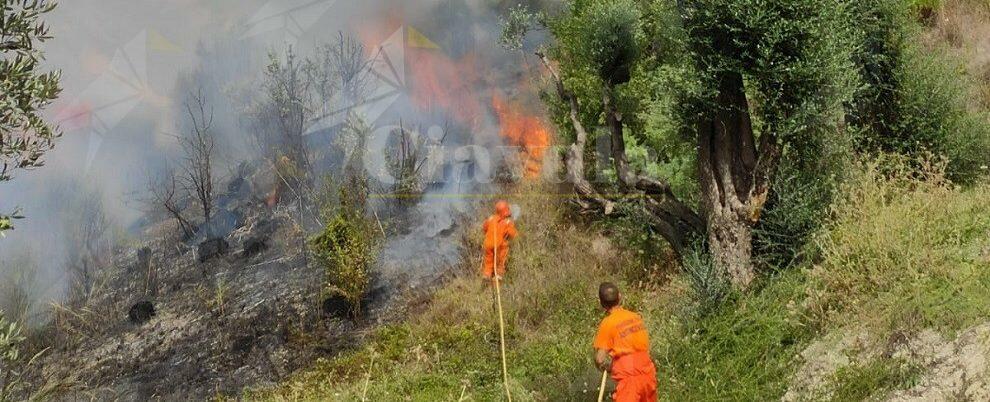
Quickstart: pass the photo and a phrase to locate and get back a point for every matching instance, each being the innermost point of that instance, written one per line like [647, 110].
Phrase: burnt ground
[163, 325]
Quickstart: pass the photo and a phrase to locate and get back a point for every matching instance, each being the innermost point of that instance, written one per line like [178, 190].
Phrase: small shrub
[13, 365]
[708, 282]
[344, 250]
[796, 210]
[934, 115]
[916, 100]
[10, 340]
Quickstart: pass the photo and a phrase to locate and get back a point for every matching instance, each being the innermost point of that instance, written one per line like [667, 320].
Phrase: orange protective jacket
[498, 231]
[624, 335]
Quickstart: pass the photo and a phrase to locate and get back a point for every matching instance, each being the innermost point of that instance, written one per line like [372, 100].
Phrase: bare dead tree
[341, 74]
[198, 147]
[87, 227]
[282, 117]
[165, 195]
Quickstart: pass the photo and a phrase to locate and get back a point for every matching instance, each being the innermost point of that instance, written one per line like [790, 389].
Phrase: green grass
[871, 380]
[743, 351]
[904, 251]
[904, 254]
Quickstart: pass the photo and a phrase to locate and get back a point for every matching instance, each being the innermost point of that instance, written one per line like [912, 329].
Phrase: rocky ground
[947, 369]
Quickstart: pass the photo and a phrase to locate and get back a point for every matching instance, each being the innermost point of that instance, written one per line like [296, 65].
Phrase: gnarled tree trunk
[733, 182]
[734, 175]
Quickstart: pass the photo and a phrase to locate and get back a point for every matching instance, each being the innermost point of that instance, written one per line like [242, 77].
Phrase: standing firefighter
[499, 229]
[622, 336]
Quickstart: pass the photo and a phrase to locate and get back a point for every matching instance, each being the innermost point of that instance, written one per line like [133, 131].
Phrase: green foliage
[516, 25]
[6, 221]
[13, 366]
[608, 31]
[597, 45]
[10, 340]
[710, 284]
[24, 90]
[933, 115]
[880, 37]
[344, 249]
[872, 380]
[794, 57]
[914, 97]
[797, 208]
[12, 363]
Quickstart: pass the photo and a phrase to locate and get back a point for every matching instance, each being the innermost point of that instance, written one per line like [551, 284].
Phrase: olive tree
[25, 90]
[743, 82]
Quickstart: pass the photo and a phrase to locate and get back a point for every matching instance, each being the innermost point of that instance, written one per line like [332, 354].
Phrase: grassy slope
[902, 255]
[451, 346]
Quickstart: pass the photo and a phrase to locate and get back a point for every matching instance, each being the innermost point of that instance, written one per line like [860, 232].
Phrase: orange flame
[441, 83]
[438, 82]
[525, 130]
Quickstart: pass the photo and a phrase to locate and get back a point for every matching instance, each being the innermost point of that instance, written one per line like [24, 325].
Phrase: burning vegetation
[351, 197]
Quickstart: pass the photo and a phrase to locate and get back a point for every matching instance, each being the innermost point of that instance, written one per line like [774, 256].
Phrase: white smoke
[127, 64]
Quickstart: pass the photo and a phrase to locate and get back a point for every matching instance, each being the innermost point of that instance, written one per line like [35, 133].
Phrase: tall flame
[440, 83]
[522, 129]
[457, 87]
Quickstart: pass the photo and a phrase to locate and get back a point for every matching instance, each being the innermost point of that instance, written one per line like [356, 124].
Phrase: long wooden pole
[601, 388]
[501, 325]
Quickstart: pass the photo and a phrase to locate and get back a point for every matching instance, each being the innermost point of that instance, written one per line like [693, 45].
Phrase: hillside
[857, 323]
[890, 302]
[794, 195]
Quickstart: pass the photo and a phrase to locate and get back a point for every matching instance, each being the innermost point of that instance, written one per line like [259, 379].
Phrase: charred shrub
[141, 312]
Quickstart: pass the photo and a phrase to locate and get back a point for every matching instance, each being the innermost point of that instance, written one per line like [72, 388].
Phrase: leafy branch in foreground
[25, 91]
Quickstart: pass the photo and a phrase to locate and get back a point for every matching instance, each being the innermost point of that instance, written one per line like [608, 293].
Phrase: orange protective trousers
[635, 378]
[498, 231]
[489, 265]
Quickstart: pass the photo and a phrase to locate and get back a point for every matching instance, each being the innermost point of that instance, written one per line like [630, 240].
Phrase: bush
[344, 250]
[10, 340]
[914, 98]
[796, 210]
[709, 284]
[902, 243]
[933, 115]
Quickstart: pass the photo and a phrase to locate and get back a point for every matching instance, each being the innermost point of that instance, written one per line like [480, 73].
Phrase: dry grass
[449, 350]
[965, 26]
[903, 245]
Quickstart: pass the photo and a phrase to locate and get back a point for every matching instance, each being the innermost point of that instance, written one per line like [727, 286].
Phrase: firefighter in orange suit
[622, 337]
[499, 229]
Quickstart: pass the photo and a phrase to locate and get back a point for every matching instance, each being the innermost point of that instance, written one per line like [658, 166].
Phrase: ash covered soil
[197, 319]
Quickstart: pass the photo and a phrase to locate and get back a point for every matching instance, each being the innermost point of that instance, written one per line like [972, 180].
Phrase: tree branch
[574, 161]
[672, 218]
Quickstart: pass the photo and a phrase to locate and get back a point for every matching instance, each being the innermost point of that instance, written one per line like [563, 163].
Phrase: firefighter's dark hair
[608, 294]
